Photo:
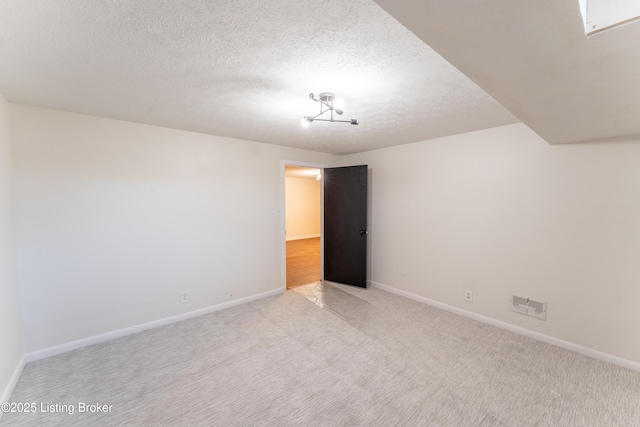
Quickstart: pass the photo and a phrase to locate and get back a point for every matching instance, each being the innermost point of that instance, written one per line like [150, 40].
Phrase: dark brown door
[345, 225]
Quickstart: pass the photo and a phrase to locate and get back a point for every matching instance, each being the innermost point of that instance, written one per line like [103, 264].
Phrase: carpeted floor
[328, 355]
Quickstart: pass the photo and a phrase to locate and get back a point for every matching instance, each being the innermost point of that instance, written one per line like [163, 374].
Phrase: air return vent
[529, 307]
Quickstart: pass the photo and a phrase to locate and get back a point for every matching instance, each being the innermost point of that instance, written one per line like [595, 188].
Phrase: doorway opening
[303, 224]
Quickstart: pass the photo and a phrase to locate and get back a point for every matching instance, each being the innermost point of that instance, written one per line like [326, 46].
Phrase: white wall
[11, 346]
[500, 211]
[115, 219]
[302, 197]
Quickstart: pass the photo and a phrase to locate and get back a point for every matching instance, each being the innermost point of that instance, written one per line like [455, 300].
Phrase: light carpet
[328, 355]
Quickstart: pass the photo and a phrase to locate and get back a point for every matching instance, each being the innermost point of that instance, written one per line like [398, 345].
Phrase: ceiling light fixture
[327, 102]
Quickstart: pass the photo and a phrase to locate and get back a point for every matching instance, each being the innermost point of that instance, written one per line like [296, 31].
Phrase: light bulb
[338, 103]
[305, 122]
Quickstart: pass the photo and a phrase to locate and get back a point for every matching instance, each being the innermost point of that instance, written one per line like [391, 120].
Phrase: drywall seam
[85, 342]
[595, 354]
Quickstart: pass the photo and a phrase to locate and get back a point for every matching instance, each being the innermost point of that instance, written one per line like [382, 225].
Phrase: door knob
[363, 232]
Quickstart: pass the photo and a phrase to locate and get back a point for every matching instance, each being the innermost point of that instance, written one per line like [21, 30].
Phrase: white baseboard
[8, 391]
[308, 236]
[595, 354]
[85, 342]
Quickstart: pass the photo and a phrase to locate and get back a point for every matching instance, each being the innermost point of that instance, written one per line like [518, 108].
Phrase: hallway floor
[303, 262]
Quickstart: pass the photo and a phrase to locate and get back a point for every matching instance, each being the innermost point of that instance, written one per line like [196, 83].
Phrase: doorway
[303, 224]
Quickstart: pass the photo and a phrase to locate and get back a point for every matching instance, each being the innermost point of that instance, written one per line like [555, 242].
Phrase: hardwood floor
[303, 262]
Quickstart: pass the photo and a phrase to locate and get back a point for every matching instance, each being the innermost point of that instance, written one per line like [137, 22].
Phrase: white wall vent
[529, 307]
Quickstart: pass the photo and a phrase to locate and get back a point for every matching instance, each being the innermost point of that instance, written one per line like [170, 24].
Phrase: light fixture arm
[326, 99]
[352, 121]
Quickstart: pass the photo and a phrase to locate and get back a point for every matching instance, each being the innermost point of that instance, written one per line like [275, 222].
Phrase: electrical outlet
[184, 297]
[468, 295]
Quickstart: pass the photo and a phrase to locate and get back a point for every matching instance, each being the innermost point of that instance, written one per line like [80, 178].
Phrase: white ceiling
[245, 69]
[239, 69]
[534, 58]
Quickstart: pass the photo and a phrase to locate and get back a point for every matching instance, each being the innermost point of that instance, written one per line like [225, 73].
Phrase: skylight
[602, 15]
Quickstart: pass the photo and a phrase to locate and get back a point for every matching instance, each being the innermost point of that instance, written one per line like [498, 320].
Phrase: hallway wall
[303, 206]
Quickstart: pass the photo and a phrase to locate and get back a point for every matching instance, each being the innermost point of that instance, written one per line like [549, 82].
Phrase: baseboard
[309, 236]
[85, 342]
[595, 354]
[8, 391]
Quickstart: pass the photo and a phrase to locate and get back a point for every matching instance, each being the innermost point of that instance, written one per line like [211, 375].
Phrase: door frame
[283, 215]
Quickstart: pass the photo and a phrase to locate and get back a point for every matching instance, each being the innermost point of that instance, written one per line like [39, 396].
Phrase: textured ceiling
[534, 58]
[239, 69]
